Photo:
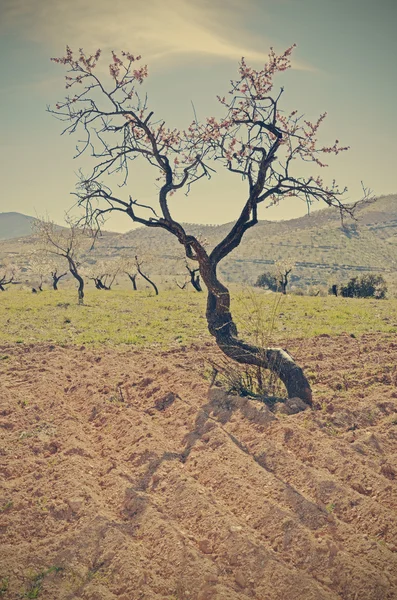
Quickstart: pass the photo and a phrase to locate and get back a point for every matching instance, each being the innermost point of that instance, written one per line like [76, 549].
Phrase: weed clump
[259, 323]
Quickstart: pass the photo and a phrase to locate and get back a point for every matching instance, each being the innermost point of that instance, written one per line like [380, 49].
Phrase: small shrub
[267, 281]
[247, 380]
[4, 585]
[367, 286]
[37, 581]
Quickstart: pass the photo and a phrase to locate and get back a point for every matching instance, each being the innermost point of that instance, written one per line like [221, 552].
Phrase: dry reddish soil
[123, 478]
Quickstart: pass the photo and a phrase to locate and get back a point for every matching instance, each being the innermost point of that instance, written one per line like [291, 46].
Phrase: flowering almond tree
[254, 139]
[42, 265]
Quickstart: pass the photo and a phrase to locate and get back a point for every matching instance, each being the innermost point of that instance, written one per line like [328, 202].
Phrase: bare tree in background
[255, 140]
[193, 277]
[276, 279]
[132, 277]
[7, 275]
[146, 277]
[67, 243]
[283, 269]
[42, 265]
[56, 277]
[133, 266]
[103, 273]
[128, 266]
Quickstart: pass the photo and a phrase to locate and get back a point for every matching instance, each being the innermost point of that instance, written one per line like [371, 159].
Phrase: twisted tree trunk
[77, 276]
[219, 318]
[222, 327]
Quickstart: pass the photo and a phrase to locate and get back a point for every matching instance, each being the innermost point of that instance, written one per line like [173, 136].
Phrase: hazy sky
[345, 63]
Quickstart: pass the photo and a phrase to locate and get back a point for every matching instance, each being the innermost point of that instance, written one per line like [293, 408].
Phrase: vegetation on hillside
[324, 252]
[368, 286]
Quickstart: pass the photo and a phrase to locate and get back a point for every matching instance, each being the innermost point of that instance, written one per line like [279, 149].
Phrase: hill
[321, 246]
[15, 225]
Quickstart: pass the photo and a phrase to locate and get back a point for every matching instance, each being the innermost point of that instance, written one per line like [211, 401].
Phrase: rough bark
[222, 327]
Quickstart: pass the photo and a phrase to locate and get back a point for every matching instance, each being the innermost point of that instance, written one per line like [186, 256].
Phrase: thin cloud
[160, 29]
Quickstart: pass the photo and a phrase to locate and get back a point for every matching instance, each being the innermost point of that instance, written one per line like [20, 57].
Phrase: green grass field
[178, 317]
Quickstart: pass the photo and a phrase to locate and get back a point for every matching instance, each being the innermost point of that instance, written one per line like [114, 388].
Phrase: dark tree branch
[254, 140]
[145, 277]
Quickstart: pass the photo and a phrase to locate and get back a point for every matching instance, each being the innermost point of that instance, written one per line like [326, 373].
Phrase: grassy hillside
[322, 248]
[320, 245]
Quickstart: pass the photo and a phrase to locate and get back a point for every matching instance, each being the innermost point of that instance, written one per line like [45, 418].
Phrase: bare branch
[255, 140]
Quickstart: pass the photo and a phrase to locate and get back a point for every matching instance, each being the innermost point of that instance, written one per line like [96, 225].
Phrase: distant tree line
[63, 250]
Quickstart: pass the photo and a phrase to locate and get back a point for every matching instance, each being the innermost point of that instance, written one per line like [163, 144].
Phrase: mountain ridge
[14, 224]
[320, 245]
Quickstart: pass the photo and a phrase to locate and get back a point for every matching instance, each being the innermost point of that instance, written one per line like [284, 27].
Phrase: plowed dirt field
[125, 476]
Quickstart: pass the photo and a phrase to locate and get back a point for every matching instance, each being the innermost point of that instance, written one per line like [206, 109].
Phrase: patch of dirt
[124, 478]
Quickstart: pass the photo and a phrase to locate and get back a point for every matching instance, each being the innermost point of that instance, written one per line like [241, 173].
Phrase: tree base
[276, 360]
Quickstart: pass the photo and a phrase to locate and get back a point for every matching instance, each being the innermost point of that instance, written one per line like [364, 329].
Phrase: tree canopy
[255, 139]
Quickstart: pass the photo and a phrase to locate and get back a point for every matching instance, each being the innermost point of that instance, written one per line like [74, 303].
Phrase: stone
[205, 546]
[75, 504]
[240, 579]
[292, 406]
